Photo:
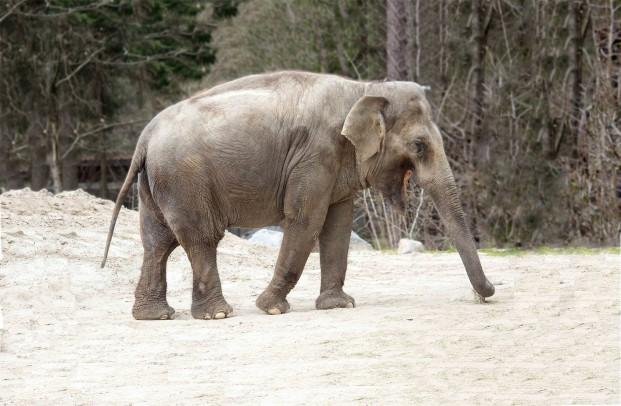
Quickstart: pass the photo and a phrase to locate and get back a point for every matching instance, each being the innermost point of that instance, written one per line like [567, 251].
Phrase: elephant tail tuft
[136, 166]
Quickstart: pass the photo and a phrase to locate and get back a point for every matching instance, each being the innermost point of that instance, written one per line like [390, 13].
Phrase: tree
[72, 63]
[396, 39]
[525, 93]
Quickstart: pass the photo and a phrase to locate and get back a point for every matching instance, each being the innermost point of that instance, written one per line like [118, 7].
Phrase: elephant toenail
[350, 305]
[274, 311]
[219, 315]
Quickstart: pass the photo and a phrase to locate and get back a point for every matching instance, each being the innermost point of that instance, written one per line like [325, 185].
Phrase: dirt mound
[41, 223]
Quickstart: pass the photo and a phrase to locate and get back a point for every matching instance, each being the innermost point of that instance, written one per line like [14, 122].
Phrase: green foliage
[164, 37]
[322, 36]
[78, 66]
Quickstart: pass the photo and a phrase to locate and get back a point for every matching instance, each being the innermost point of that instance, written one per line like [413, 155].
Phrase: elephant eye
[419, 147]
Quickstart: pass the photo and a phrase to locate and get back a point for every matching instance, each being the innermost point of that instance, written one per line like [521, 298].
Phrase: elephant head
[396, 139]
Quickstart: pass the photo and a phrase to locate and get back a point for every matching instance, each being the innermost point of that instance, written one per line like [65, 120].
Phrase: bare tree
[396, 39]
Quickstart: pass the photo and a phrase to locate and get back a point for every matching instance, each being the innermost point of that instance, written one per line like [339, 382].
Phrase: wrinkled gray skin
[288, 148]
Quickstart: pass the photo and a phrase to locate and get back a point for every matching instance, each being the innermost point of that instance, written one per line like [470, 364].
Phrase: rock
[269, 238]
[407, 246]
[272, 237]
[358, 244]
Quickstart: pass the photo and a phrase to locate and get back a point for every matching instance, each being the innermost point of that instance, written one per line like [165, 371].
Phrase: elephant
[285, 148]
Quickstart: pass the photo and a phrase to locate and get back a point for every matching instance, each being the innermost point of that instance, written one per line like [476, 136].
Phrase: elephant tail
[136, 166]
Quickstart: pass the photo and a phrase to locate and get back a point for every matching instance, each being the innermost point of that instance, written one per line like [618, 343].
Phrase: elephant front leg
[333, 248]
[305, 206]
[296, 246]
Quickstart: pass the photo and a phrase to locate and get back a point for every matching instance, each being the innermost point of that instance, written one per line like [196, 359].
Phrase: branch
[353, 65]
[10, 11]
[94, 131]
[15, 150]
[76, 70]
[420, 204]
[150, 58]
[68, 11]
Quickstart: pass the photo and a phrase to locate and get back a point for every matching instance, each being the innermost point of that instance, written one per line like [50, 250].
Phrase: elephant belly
[256, 215]
[254, 200]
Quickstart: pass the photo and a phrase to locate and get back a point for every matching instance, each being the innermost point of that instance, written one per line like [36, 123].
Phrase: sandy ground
[550, 335]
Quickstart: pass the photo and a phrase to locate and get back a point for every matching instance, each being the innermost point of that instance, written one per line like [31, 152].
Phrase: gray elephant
[288, 148]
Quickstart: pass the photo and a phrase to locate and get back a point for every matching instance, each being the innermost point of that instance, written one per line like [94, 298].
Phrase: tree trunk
[53, 161]
[70, 174]
[342, 19]
[9, 173]
[482, 20]
[363, 41]
[443, 46]
[396, 40]
[10, 178]
[39, 171]
[413, 40]
[55, 171]
[103, 175]
[479, 148]
[580, 10]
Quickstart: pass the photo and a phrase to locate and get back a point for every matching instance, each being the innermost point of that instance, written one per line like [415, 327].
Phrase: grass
[505, 252]
[550, 251]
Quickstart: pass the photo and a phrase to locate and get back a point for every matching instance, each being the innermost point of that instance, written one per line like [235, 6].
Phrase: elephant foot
[271, 303]
[209, 309]
[159, 310]
[330, 299]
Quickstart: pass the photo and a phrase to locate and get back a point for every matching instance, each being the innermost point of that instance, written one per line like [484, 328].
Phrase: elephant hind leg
[158, 242]
[207, 299]
[195, 207]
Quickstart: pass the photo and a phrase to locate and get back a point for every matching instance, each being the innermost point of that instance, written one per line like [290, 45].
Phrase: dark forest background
[526, 93]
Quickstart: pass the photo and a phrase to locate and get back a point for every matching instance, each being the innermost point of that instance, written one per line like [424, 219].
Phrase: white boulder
[407, 246]
[273, 238]
[356, 243]
[267, 237]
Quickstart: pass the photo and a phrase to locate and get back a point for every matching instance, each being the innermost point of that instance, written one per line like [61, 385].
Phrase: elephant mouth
[401, 201]
[398, 195]
[406, 181]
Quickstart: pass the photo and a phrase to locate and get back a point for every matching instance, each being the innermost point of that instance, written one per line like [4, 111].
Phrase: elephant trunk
[445, 195]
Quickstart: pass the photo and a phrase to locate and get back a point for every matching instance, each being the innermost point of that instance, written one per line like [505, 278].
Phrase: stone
[266, 237]
[271, 237]
[356, 243]
[407, 246]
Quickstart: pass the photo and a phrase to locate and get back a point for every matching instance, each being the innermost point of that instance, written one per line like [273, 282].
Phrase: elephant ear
[364, 126]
